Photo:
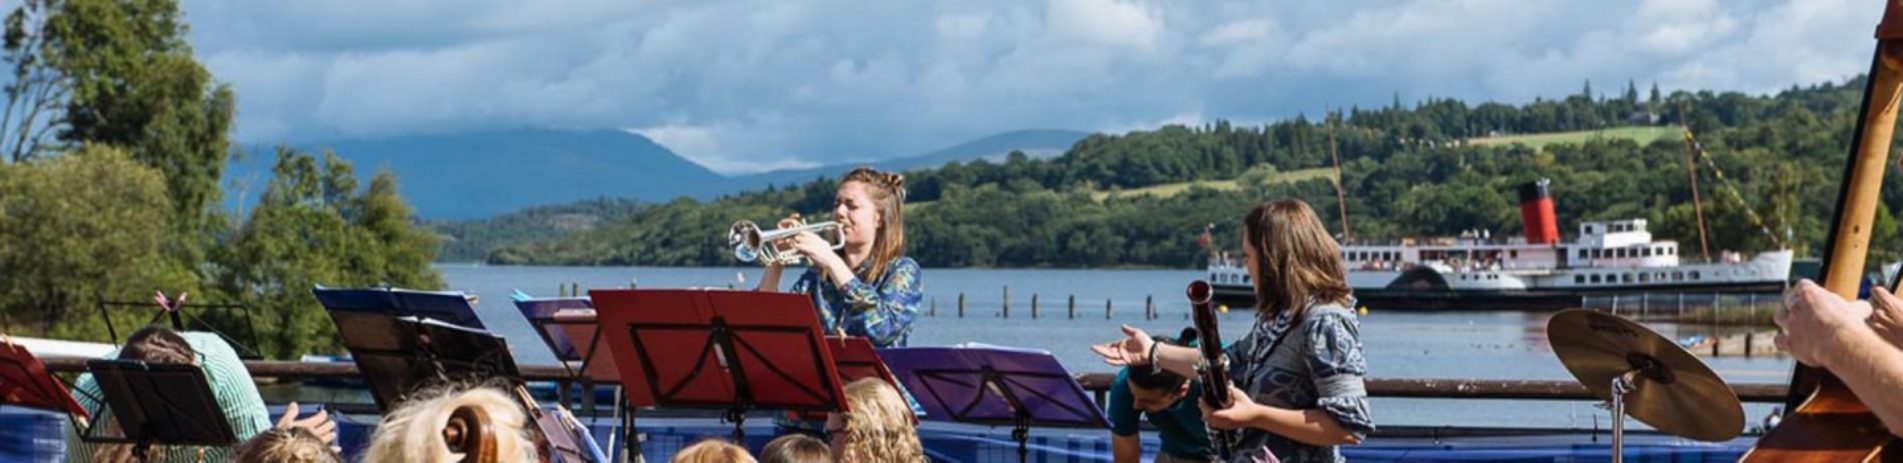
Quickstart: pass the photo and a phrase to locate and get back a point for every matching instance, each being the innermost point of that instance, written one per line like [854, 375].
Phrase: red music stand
[857, 360]
[25, 382]
[729, 350]
[581, 329]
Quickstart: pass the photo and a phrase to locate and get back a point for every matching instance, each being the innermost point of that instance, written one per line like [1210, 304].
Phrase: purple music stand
[996, 386]
[541, 313]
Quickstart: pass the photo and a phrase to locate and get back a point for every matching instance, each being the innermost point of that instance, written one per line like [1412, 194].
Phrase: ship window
[1588, 229]
[1595, 278]
[1645, 278]
[1579, 279]
[1514, 254]
[1626, 278]
[1647, 252]
[1582, 253]
[1678, 276]
[1695, 275]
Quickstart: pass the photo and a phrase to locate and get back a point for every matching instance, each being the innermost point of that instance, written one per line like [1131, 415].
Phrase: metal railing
[1097, 383]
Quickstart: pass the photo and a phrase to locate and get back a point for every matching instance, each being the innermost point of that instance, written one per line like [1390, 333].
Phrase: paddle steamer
[1535, 271]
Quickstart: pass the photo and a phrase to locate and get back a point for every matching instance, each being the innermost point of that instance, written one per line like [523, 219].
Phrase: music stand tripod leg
[1620, 385]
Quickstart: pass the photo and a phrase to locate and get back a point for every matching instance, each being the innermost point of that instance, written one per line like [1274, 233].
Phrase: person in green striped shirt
[230, 383]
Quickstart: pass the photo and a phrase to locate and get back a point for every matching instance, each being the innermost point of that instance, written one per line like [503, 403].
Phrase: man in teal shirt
[1169, 402]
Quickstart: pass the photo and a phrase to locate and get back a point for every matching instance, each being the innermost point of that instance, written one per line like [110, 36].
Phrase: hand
[319, 424]
[1132, 350]
[1886, 316]
[1811, 319]
[1240, 413]
[783, 246]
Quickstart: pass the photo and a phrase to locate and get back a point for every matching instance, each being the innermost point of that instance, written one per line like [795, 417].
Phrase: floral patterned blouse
[882, 310]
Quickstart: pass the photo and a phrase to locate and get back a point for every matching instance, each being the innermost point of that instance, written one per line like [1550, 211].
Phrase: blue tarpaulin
[34, 436]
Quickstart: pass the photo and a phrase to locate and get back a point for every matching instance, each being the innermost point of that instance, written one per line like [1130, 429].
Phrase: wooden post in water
[961, 304]
[574, 289]
[1007, 301]
[1149, 307]
[1033, 306]
[933, 310]
[1106, 308]
[1073, 307]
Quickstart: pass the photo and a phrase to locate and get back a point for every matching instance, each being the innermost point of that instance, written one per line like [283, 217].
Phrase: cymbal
[1671, 390]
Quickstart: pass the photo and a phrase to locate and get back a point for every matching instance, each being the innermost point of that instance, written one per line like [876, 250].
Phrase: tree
[118, 72]
[76, 228]
[310, 228]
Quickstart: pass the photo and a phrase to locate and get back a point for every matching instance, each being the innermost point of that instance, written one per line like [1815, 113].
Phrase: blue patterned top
[1318, 364]
[882, 311]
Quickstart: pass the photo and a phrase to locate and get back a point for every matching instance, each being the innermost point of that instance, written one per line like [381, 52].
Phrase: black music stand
[159, 403]
[404, 340]
[995, 386]
[728, 350]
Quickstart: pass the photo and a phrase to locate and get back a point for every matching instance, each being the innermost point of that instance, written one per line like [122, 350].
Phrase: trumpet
[751, 244]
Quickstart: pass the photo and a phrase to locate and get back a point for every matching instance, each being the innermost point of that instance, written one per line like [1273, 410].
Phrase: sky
[745, 86]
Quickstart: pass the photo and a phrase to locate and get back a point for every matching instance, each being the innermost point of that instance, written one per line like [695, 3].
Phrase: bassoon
[1214, 371]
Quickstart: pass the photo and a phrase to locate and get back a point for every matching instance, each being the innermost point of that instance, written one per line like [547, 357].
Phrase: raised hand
[1133, 349]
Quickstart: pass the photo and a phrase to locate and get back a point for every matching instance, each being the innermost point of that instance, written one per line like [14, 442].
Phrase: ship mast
[1698, 207]
[1341, 197]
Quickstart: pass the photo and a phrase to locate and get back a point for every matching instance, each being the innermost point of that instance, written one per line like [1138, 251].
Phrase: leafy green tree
[312, 228]
[119, 72]
[76, 228]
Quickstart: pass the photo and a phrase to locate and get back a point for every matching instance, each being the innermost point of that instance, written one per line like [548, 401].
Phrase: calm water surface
[1492, 345]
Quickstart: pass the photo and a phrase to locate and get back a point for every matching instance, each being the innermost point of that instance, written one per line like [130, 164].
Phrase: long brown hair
[1296, 262]
[888, 191]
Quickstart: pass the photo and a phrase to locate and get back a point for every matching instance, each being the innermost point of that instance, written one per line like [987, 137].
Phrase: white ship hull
[1614, 257]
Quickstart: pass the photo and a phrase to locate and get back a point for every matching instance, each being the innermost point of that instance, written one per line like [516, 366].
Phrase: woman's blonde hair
[414, 431]
[879, 426]
[712, 451]
[296, 445]
[888, 191]
[1296, 262]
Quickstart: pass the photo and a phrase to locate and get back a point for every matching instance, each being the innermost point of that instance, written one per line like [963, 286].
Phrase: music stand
[995, 386]
[449, 306]
[399, 351]
[540, 312]
[858, 360]
[24, 382]
[728, 350]
[159, 403]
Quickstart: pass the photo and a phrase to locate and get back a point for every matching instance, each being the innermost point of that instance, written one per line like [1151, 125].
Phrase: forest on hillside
[1767, 177]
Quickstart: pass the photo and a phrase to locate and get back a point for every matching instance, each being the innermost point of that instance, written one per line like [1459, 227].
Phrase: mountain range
[483, 174]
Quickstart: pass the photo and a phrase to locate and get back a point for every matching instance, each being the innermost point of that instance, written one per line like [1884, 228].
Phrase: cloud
[747, 85]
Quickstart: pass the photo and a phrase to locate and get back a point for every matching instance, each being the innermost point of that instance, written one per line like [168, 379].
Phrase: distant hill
[483, 174]
[1038, 143]
[478, 175]
[471, 240]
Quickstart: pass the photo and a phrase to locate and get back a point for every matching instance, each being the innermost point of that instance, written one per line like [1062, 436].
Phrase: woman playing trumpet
[867, 287]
